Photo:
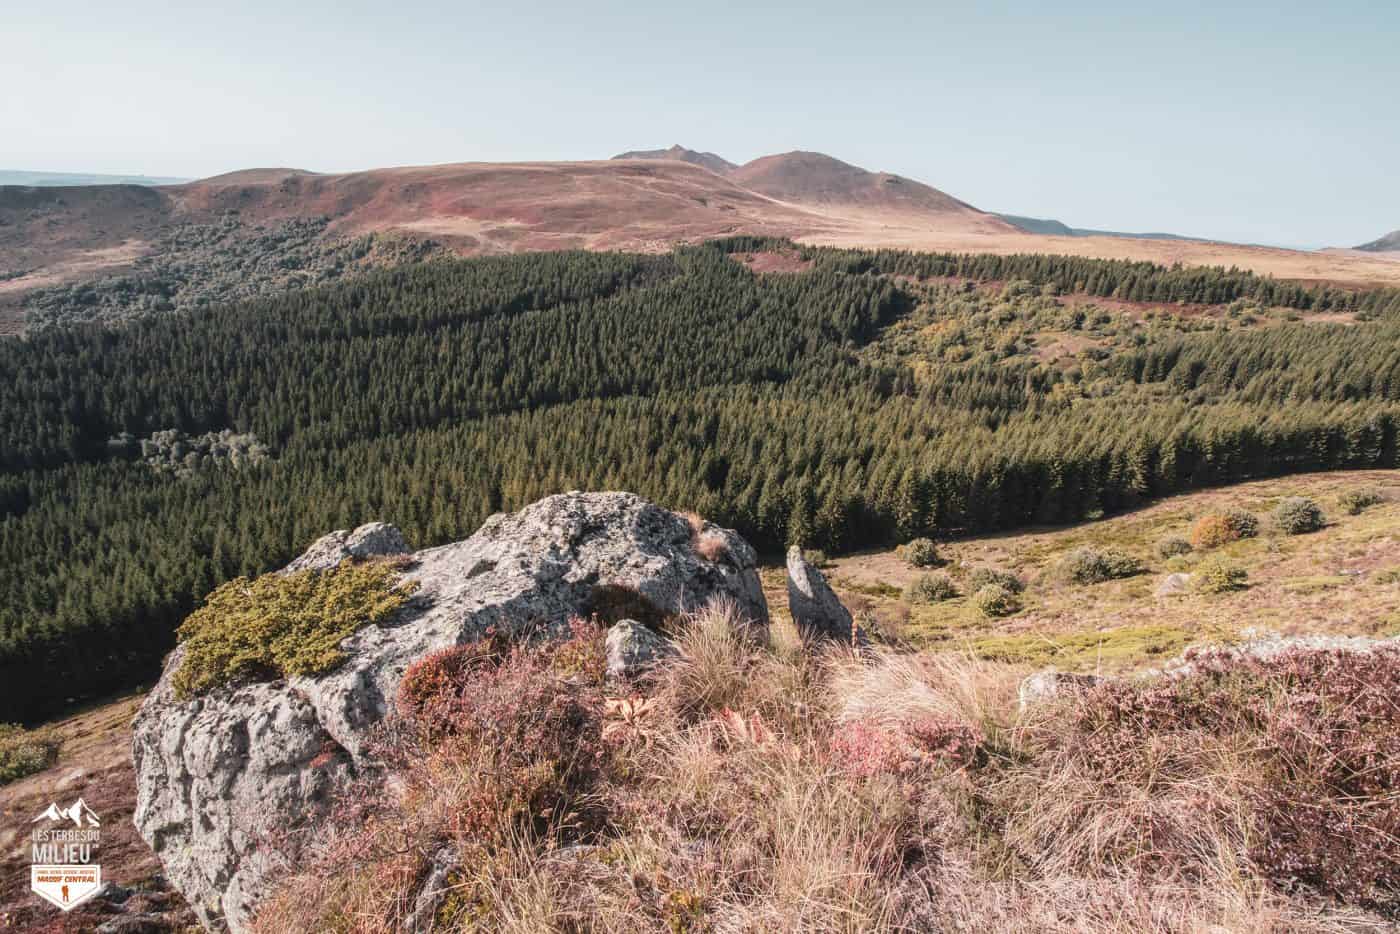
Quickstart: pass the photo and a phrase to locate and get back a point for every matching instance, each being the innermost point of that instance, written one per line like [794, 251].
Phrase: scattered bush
[815, 557]
[1216, 575]
[981, 577]
[24, 752]
[1090, 566]
[1221, 528]
[280, 625]
[1212, 531]
[1297, 515]
[1172, 546]
[931, 588]
[1355, 502]
[920, 553]
[1245, 523]
[994, 600]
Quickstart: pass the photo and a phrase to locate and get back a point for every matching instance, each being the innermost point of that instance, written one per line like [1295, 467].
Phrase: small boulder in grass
[1174, 584]
[1050, 684]
[633, 649]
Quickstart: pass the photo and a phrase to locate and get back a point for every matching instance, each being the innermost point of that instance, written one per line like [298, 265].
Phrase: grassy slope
[1331, 581]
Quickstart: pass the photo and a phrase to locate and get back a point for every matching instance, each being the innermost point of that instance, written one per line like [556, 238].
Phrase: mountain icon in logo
[77, 812]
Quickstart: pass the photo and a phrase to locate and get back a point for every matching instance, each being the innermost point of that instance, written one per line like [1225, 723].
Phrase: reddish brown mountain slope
[706, 160]
[649, 202]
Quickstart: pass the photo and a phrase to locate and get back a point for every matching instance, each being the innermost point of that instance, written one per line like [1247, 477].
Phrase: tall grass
[787, 787]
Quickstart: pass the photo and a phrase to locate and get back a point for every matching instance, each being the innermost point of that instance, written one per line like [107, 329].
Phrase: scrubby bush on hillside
[24, 752]
[920, 553]
[1297, 515]
[1244, 522]
[931, 588]
[1221, 528]
[284, 624]
[1355, 502]
[1216, 575]
[1090, 566]
[1212, 531]
[996, 600]
[815, 557]
[1173, 546]
[982, 577]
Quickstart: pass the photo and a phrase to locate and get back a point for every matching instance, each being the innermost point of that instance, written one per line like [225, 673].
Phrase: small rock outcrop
[633, 648]
[815, 610]
[218, 774]
[368, 541]
[1173, 584]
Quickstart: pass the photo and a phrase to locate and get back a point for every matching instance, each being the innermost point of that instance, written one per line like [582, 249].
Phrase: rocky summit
[219, 774]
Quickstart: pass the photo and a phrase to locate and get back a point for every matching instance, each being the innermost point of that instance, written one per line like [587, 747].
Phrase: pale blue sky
[1269, 122]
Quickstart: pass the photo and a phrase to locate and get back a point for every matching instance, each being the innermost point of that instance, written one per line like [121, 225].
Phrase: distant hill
[706, 160]
[52, 179]
[1054, 228]
[812, 178]
[55, 235]
[1387, 244]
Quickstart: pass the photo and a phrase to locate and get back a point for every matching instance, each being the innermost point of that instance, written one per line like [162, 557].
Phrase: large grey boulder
[815, 610]
[216, 775]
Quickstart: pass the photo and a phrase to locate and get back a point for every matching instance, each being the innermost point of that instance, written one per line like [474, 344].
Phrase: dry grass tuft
[787, 787]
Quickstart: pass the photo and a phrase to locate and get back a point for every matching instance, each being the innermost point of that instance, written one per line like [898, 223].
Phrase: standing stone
[815, 610]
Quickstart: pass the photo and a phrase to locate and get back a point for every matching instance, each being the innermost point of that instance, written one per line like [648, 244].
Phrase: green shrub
[995, 600]
[815, 557]
[931, 588]
[280, 625]
[1172, 546]
[24, 752]
[1216, 575]
[981, 577]
[1245, 523]
[920, 552]
[1297, 515]
[1355, 502]
[1089, 566]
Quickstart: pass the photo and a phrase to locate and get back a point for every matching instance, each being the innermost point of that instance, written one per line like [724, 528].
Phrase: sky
[1256, 122]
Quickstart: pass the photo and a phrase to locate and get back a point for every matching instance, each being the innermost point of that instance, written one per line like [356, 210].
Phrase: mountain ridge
[1390, 243]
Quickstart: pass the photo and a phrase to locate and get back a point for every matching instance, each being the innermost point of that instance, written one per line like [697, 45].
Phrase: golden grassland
[1340, 580]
